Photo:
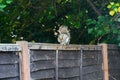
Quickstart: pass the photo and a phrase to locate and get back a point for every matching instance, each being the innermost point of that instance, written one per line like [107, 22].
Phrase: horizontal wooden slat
[90, 69]
[114, 59]
[91, 54]
[70, 78]
[45, 79]
[69, 54]
[112, 46]
[8, 58]
[90, 62]
[42, 55]
[113, 53]
[43, 74]
[41, 65]
[114, 72]
[114, 65]
[68, 72]
[11, 78]
[112, 77]
[10, 47]
[92, 76]
[9, 71]
[68, 63]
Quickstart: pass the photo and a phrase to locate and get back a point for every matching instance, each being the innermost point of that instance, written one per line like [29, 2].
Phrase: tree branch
[94, 8]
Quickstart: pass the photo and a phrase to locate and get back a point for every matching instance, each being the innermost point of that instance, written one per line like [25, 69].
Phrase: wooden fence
[41, 61]
[114, 62]
[10, 64]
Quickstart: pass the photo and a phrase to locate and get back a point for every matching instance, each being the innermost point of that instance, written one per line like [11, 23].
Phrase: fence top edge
[10, 47]
[112, 46]
[48, 46]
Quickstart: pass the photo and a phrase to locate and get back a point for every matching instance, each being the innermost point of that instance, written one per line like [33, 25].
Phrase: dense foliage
[37, 20]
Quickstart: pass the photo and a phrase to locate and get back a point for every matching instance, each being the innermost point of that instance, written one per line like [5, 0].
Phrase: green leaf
[90, 21]
[2, 6]
[8, 1]
[100, 32]
[90, 30]
[1, 1]
[115, 31]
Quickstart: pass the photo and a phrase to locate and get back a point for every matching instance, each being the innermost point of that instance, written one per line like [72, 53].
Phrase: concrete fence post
[25, 60]
[105, 61]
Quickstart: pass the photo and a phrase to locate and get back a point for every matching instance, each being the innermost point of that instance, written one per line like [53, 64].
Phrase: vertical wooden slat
[105, 61]
[25, 60]
[56, 68]
[81, 64]
[20, 65]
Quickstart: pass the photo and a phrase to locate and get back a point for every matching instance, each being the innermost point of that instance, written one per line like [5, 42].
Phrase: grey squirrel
[63, 35]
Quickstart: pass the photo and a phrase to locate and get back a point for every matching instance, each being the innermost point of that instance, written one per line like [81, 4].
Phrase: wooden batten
[105, 61]
[45, 46]
[10, 47]
[25, 60]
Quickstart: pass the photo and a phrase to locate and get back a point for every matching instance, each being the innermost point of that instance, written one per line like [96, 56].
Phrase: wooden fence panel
[42, 64]
[114, 62]
[92, 65]
[51, 62]
[9, 66]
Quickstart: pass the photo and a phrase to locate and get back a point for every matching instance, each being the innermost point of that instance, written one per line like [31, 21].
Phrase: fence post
[105, 61]
[25, 60]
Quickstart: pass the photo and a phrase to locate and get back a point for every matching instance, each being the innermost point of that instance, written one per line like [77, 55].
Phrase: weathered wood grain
[13, 78]
[43, 74]
[91, 54]
[90, 69]
[90, 62]
[48, 46]
[114, 53]
[114, 72]
[92, 76]
[10, 47]
[69, 63]
[8, 58]
[70, 78]
[42, 55]
[9, 71]
[114, 65]
[112, 46]
[68, 72]
[114, 77]
[41, 65]
[114, 62]
[71, 54]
